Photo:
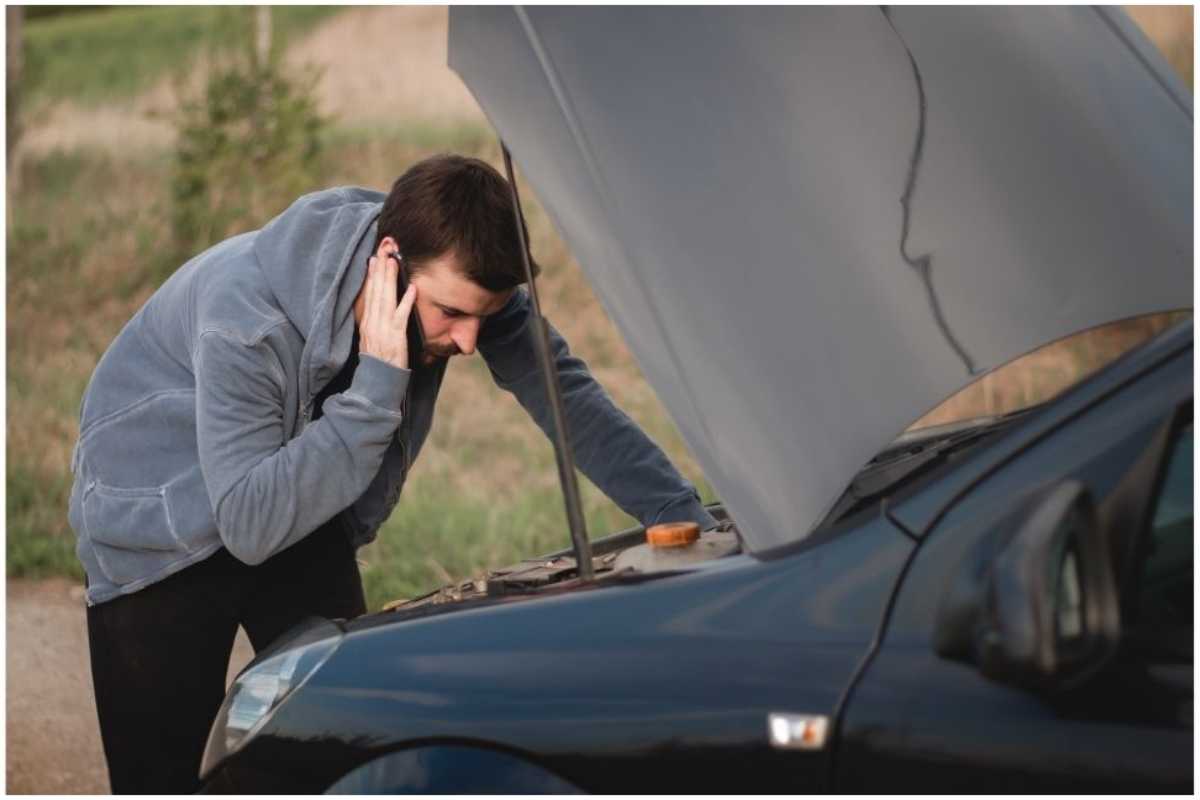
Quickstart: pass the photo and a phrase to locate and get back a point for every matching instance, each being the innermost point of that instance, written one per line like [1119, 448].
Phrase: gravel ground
[53, 744]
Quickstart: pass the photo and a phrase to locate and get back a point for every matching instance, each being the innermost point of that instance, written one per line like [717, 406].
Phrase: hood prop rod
[562, 449]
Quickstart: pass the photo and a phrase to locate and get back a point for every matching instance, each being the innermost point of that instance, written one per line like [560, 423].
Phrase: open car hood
[812, 225]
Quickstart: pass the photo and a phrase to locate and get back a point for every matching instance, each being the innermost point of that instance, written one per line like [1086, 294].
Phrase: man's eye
[451, 314]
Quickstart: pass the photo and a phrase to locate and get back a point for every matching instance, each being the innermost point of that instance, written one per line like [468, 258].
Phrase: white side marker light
[797, 731]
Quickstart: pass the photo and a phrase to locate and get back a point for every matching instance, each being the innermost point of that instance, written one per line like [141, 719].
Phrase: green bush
[249, 144]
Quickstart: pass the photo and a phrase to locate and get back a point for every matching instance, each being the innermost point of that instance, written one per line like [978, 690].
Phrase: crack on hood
[923, 264]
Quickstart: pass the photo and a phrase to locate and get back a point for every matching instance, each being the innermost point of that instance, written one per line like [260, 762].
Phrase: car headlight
[264, 685]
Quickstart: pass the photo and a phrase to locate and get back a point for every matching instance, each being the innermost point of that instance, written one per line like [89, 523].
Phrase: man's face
[452, 308]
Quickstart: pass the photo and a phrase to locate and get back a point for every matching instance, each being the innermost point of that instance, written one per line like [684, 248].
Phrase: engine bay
[622, 554]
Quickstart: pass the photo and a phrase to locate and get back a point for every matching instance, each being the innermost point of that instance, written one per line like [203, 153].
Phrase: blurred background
[146, 134]
[138, 136]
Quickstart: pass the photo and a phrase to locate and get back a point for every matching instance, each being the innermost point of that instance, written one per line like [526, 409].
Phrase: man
[254, 423]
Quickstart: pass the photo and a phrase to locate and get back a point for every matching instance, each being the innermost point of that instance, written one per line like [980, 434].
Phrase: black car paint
[670, 681]
[452, 769]
[971, 732]
[665, 685]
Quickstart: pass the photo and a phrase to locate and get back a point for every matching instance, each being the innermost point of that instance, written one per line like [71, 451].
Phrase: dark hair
[450, 203]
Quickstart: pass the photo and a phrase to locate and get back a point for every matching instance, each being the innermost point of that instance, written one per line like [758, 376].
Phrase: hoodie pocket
[130, 530]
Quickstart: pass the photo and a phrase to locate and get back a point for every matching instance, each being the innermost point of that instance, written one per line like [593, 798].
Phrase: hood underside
[812, 225]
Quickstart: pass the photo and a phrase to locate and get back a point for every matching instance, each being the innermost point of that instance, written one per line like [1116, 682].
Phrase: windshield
[1048, 371]
[913, 454]
[992, 404]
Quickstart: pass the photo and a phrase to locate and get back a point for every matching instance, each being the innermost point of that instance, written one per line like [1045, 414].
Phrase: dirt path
[53, 736]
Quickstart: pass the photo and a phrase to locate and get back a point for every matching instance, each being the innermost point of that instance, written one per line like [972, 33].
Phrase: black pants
[161, 654]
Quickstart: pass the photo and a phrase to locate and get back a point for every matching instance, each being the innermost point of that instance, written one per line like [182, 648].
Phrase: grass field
[105, 55]
[485, 491]
[87, 236]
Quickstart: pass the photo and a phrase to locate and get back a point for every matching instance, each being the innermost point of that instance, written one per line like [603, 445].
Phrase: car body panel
[972, 734]
[813, 224]
[451, 769]
[1105, 736]
[665, 684]
[673, 678]
[797, 292]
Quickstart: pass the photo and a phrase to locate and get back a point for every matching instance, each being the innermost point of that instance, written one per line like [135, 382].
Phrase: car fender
[451, 769]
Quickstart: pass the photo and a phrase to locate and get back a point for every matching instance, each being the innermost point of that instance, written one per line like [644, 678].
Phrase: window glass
[1048, 371]
[1165, 599]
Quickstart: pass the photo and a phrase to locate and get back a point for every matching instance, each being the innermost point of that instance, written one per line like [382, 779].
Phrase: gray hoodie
[196, 431]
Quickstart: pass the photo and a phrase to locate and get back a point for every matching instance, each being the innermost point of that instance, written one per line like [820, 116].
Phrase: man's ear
[387, 245]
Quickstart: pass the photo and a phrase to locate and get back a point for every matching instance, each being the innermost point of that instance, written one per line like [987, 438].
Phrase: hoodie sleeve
[268, 493]
[609, 447]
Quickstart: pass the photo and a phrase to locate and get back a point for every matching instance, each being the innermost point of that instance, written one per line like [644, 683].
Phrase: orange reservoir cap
[673, 534]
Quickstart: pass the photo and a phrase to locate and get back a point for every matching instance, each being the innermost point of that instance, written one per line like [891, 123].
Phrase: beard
[434, 351]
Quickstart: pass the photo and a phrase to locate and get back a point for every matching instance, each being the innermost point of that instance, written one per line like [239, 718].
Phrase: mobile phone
[416, 334]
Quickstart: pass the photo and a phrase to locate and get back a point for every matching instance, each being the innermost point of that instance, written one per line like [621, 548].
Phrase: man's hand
[382, 333]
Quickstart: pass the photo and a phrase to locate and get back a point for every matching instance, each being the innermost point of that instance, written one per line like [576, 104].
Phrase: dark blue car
[812, 225]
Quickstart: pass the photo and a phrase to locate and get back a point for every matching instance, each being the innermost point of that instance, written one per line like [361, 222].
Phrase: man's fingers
[383, 326]
[382, 309]
[391, 273]
[369, 310]
[406, 304]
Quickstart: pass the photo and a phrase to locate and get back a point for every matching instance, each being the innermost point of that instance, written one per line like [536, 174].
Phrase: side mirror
[1036, 604]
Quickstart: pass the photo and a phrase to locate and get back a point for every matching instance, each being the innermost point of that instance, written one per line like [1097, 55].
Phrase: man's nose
[465, 333]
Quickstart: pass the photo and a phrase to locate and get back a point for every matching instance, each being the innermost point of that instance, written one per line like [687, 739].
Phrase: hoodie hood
[812, 225]
[314, 256]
